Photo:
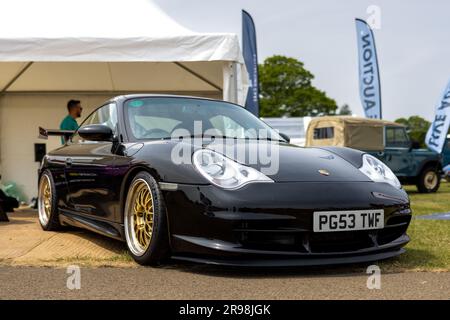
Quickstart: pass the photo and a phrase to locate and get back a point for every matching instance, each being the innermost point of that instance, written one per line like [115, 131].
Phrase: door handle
[381, 154]
[69, 162]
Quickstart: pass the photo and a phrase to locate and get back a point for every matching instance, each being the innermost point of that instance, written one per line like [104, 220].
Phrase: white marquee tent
[54, 50]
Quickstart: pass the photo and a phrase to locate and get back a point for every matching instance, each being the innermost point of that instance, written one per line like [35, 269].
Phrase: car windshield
[166, 118]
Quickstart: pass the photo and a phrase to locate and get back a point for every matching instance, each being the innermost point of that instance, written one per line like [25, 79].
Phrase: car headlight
[224, 172]
[378, 171]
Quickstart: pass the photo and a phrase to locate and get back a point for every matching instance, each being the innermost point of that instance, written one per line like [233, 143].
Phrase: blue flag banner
[251, 62]
[437, 133]
[369, 76]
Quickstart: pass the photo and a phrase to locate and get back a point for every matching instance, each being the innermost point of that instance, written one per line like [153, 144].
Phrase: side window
[401, 137]
[106, 115]
[323, 133]
[227, 126]
[390, 141]
[396, 138]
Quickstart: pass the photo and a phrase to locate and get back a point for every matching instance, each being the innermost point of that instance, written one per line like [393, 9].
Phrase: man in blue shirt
[69, 123]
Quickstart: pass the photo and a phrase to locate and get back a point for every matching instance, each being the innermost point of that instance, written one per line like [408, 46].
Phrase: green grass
[429, 249]
[423, 203]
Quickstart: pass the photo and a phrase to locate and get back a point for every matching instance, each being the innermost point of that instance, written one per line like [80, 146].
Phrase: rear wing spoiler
[45, 133]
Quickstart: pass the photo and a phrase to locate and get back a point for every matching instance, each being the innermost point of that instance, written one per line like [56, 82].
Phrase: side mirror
[285, 136]
[96, 132]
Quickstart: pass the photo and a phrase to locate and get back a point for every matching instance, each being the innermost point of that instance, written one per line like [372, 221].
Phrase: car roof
[356, 120]
[161, 95]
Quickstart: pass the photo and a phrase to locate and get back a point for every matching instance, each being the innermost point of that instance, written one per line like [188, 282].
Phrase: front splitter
[294, 262]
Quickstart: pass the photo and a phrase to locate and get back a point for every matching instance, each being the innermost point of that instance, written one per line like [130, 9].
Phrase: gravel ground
[203, 282]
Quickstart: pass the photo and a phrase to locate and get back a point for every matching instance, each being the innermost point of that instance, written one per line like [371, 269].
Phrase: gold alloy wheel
[139, 217]
[45, 200]
[431, 180]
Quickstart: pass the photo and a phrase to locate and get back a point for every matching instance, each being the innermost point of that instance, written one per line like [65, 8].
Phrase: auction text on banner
[437, 132]
[369, 77]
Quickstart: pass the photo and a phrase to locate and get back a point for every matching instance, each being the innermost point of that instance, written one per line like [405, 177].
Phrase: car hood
[290, 163]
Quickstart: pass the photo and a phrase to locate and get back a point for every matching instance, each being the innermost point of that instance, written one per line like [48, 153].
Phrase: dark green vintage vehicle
[446, 152]
[388, 141]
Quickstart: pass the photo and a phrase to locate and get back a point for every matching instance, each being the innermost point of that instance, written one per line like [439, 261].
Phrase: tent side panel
[20, 116]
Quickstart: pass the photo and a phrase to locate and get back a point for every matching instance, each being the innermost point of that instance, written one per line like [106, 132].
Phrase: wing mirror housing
[96, 132]
[285, 136]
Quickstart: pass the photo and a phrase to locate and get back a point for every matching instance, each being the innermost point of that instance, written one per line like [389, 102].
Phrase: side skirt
[112, 230]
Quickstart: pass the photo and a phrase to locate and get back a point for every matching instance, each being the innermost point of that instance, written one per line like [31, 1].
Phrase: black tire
[424, 184]
[51, 222]
[158, 248]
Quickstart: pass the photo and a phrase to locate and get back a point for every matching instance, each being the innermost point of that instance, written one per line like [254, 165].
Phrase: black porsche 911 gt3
[206, 181]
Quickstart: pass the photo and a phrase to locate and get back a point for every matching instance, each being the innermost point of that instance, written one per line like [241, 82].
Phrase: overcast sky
[413, 43]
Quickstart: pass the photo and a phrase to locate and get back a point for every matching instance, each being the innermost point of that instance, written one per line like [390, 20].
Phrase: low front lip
[240, 251]
[295, 261]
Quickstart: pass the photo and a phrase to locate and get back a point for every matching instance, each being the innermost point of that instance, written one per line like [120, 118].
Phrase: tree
[286, 90]
[345, 110]
[417, 127]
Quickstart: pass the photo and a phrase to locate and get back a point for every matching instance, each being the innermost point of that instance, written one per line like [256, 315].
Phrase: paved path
[23, 242]
[201, 282]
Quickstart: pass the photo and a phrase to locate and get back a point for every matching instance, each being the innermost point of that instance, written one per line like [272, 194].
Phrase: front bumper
[271, 224]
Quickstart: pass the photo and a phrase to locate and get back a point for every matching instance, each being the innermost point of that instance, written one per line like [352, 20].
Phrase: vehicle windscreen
[166, 118]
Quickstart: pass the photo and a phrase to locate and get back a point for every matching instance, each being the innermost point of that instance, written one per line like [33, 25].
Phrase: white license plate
[329, 221]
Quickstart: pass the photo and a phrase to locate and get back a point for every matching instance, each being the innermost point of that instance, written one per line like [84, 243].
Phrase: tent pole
[230, 78]
[198, 75]
[113, 86]
[17, 76]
